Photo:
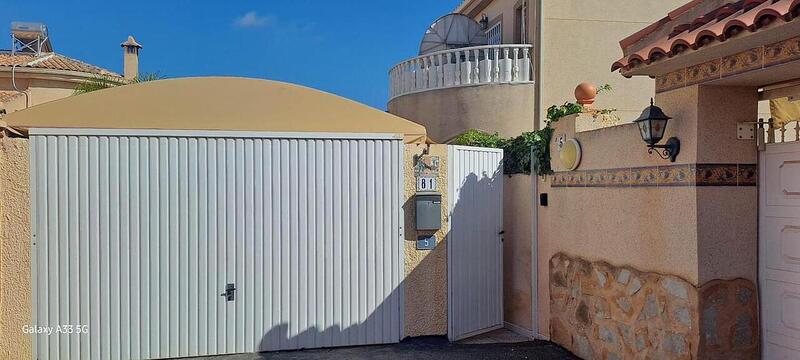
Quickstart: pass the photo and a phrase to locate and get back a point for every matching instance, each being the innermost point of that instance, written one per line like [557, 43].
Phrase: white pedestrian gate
[474, 243]
[779, 250]
[137, 234]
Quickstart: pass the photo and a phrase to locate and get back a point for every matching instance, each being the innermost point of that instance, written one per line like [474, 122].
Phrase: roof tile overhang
[51, 61]
[687, 35]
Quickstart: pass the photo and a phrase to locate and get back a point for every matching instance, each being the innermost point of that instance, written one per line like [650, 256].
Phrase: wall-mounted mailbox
[429, 211]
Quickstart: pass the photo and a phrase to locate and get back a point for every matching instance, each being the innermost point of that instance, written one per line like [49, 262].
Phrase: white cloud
[251, 19]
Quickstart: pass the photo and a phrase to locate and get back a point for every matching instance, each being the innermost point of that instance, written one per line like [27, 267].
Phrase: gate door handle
[229, 293]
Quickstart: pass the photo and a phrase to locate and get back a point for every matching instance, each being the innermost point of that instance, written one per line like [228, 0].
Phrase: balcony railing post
[476, 72]
[506, 66]
[417, 74]
[457, 72]
[465, 71]
[515, 65]
[797, 130]
[526, 63]
[392, 83]
[496, 66]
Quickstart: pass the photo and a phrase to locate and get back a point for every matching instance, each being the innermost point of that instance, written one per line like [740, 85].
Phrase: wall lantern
[652, 124]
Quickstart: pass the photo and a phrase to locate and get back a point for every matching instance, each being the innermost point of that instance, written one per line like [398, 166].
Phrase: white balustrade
[491, 64]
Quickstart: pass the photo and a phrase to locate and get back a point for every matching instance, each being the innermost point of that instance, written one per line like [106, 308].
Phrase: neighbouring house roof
[702, 24]
[215, 103]
[6, 96]
[51, 61]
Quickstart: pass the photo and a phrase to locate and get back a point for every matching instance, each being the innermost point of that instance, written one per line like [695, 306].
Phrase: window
[495, 34]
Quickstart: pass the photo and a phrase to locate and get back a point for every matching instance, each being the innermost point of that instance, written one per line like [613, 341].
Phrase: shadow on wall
[424, 290]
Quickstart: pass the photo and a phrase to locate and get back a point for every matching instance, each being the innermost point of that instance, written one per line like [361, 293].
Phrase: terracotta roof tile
[6, 95]
[51, 61]
[717, 25]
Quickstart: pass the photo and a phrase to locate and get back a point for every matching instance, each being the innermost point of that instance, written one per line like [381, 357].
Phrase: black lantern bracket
[652, 125]
[669, 150]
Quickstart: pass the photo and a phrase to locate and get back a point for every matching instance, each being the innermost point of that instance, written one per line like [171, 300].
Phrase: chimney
[130, 58]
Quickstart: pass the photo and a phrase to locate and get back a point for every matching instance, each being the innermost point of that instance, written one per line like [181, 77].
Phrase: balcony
[469, 66]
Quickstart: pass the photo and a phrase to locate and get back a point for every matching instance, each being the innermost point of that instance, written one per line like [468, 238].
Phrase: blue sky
[344, 47]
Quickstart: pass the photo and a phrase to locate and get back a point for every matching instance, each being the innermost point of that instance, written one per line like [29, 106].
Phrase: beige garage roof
[215, 103]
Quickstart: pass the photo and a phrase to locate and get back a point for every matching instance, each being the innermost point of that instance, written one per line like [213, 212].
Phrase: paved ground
[422, 348]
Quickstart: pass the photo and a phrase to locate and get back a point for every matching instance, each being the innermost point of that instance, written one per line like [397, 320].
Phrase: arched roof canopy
[215, 103]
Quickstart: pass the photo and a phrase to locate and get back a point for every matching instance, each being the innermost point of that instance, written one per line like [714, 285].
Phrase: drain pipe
[14, 85]
[537, 118]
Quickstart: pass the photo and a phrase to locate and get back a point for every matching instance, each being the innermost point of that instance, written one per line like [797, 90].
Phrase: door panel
[474, 243]
[137, 235]
[779, 250]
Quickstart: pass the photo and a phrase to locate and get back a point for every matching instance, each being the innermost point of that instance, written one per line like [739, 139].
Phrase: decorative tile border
[756, 58]
[742, 62]
[782, 52]
[673, 80]
[706, 71]
[669, 175]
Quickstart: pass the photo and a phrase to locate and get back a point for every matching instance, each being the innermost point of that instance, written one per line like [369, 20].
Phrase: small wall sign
[426, 183]
[426, 165]
[426, 242]
[569, 152]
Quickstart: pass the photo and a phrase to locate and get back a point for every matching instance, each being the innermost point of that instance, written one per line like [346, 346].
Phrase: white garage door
[137, 234]
[779, 239]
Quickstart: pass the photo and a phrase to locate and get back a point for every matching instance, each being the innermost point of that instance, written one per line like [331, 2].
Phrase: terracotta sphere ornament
[585, 93]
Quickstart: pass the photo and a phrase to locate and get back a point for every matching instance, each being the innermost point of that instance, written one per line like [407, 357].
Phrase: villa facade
[537, 52]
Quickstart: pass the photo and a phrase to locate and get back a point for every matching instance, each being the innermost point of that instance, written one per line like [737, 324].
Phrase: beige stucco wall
[425, 286]
[39, 90]
[518, 227]
[698, 233]
[15, 250]
[580, 42]
[505, 11]
[634, 227]
[505, 109]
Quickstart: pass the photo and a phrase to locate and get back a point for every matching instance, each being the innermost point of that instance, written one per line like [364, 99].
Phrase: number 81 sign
[426, 183]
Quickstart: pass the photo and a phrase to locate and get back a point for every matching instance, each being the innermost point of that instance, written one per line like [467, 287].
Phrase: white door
[474, 243]
[137, 234]
[779, 250]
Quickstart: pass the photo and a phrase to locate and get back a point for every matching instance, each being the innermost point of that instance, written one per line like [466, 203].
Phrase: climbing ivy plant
[530, 152]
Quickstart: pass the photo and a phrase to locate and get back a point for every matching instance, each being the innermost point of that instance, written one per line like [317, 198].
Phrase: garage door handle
[229, 293]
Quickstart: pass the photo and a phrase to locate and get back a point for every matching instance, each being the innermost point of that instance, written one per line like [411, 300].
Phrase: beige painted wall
[697, 233]
[505, 10]
[425, 294]
[39, 90]
[580, 42]
[634, 227]
[518, 227]
[15, 250]
[506, 109]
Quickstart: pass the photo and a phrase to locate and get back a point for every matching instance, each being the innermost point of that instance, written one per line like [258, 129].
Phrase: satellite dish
[452, 31]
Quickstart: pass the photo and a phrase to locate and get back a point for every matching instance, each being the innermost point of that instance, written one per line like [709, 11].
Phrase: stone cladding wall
[601, 311]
